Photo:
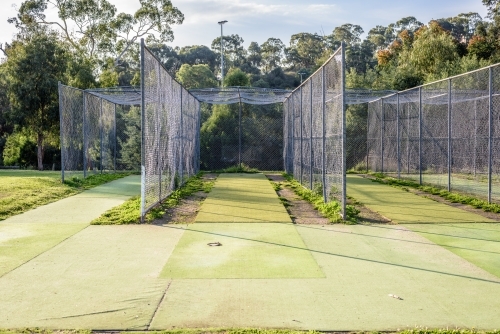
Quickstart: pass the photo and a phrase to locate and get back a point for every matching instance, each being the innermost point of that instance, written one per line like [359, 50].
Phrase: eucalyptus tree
[100, 30]
[33, 67]
[272, 52]
[305, 50]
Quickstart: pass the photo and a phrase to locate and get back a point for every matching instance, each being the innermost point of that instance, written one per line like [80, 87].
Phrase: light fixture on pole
[301, 74]
[221, 54]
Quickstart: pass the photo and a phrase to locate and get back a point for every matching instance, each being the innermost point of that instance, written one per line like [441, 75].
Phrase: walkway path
[267, 273]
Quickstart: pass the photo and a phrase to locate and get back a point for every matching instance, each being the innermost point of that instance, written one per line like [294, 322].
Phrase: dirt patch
[302, 212]
[186, 211]
[439, 199]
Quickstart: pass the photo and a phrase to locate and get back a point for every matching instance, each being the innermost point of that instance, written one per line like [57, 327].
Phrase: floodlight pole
[221, 54]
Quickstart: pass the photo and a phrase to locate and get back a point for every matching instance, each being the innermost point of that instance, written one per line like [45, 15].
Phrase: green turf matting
[258, 240]
[477, 243]
[404, 207]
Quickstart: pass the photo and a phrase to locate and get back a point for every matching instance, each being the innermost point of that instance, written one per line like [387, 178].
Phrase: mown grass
[331, 210]
[130, 211]
[21, 191]
[450, 196]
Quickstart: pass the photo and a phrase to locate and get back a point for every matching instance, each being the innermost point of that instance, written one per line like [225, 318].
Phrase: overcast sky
[258, 20]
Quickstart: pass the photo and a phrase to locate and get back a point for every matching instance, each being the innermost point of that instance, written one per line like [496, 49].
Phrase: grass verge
[130, 211]
[450, 196]
[331, 210]
[20, 193]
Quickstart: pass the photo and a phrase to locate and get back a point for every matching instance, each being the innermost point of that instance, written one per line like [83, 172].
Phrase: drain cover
[214, 244]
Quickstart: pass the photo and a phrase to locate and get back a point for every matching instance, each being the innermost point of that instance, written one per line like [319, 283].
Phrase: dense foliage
[105, 53]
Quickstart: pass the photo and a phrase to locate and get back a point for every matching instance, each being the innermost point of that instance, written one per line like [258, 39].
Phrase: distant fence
[445, 133]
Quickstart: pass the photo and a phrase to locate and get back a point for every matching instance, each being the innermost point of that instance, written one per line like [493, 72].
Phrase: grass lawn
[21, 190]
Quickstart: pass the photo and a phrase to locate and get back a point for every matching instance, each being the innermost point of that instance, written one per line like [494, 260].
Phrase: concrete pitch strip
[259, 271]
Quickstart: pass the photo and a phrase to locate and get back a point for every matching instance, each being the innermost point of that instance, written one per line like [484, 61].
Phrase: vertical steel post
[408, 140]
[449, 134]
[475, 137]
[323, 133]
[344, 136]
[311, 157]
[367, 139]
[293, 136]
[198, 138]
[398, 138]
[239, 129]
[84, 130]
[115, 139]
[61, 130]
[143, 141]
[101, 130]
[420, 134]
[159, 164]
[181, 147]
[382, 133]
[301, 139]
[490, 132]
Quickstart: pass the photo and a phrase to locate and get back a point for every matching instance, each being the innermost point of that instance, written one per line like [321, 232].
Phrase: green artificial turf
[19, 243]
[258, 239]
[403, 207]
[477, 243]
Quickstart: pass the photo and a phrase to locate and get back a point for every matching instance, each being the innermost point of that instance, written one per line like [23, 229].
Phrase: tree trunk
[39, 154]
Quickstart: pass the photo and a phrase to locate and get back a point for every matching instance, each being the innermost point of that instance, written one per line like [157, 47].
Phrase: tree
[99, 29]
[272, 53]
[254, 55]
[348, 33]
[304, 51]
[236, 78]
[196, 76]
[234, 52]
[33, 68]
[197, 55]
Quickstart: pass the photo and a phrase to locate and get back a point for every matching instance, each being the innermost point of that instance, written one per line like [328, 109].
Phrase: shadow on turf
[441, 234]
[342, 256]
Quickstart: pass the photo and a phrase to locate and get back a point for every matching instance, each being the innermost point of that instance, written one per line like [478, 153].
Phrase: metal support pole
[101, 130]
[323, 133]
[382, 133]
[420, 134]
[239, 130]
[449, 134]
[84, 131]
[301, 139]
[61, 131]
[198, 138]
[293, 134]
[367, 139]
[344, 136]
[143, 131]
[490, 132]
[158, 133]
[408, 141]
[475, 138]
[398, 138]
[115, 139]
[181, 147]
[311, 157]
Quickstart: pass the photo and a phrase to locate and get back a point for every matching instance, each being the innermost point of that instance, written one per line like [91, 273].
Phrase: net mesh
[439, 134]
[314, 117]
[170, 116]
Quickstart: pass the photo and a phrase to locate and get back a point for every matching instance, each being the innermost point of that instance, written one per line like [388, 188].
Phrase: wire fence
[444, 133]
[242, 134]
[314, 131]
[170, 132]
